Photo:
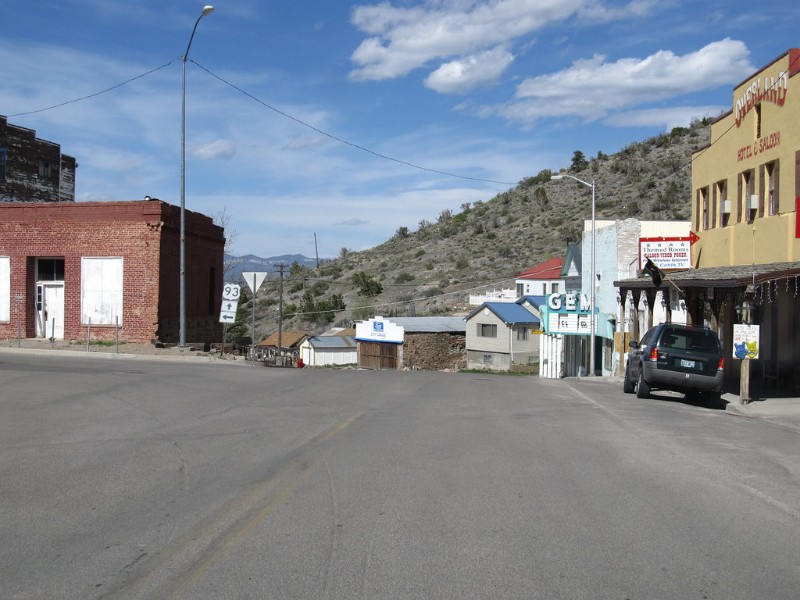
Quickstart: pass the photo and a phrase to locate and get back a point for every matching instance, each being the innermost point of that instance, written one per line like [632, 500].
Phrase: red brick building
[68, 267]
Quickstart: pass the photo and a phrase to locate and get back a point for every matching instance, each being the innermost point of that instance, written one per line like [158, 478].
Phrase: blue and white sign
[568, 314]
[379, 330]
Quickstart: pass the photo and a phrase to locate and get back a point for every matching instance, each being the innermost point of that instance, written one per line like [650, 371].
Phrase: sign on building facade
[379, 330]
[666, 253]
[567, 314]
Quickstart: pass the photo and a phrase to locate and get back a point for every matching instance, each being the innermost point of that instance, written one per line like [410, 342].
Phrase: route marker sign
[230, 302]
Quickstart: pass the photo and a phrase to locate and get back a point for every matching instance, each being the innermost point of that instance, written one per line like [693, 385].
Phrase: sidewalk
[37, 346]
[770, 405]
[785, 409]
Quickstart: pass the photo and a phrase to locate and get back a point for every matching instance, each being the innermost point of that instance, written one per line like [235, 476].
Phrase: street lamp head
[207, 9]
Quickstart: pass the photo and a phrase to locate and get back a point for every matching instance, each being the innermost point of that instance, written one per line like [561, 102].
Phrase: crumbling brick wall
[435, 351]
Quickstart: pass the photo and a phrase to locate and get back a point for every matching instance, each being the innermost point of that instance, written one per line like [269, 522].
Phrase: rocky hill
[434, 268]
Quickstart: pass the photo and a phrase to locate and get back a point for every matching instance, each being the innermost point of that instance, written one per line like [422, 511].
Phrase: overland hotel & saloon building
[746, 214]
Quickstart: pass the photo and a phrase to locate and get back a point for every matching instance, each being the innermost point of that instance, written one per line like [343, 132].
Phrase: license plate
[687, 364]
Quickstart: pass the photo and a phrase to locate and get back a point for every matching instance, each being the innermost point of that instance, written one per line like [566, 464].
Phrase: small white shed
[329, 350]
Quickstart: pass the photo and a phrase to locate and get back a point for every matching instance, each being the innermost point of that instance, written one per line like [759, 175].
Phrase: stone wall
[435, 351]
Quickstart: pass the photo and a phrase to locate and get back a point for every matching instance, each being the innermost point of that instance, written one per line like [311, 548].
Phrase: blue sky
[290, 104]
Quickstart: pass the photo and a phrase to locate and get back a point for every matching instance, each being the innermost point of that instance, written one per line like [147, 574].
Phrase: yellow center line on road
[336, 429]
[235, 536]
[182, 566]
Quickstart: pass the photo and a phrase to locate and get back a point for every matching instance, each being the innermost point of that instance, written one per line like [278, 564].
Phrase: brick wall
[144, 235]
[204, 270]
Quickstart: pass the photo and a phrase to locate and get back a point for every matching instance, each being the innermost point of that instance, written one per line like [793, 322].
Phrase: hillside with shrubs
[431, 268]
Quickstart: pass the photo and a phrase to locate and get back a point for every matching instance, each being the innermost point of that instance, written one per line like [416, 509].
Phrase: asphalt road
[137, 479]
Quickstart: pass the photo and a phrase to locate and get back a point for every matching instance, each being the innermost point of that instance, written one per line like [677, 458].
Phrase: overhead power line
[276, 110]
[341, 140]
[94, 95]
[308, 125]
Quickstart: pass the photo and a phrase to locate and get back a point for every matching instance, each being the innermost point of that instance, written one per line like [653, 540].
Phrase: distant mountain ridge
[236, 265]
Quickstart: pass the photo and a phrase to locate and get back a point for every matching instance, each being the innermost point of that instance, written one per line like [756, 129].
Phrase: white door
[50, 307]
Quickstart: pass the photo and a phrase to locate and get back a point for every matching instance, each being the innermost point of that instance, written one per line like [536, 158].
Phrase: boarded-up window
[5, 288]
[101, 290]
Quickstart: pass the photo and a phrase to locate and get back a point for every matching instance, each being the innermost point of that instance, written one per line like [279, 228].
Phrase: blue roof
[537, 301]
[508, 312]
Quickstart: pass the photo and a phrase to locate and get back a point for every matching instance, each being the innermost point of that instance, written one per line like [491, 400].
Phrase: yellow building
[746, 217]
[746, 183]
[745, 201]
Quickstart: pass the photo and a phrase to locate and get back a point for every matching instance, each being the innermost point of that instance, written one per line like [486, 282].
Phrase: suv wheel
[642, 387]
[627, 385]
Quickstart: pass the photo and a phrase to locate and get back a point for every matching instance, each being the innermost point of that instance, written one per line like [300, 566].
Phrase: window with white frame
[5, 288]
[522, 334]
[101, 290]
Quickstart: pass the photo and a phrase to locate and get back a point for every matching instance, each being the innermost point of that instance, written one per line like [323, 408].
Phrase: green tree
[367, 285]
[297, 269]
[579, 162]
[540, 195]
[320, 312]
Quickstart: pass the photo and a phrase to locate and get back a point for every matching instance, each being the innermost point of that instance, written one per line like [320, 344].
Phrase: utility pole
[281, 268]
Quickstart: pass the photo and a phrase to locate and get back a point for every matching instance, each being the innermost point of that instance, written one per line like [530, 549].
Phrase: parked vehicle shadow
[708, 401]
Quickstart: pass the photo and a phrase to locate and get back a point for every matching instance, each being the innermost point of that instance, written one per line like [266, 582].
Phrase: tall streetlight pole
[207, 10]
[593, 283]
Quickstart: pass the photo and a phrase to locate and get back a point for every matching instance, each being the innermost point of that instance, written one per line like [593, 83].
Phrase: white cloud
[462, 75]
[595, 11]
[218, 149]
[404, 39]
[592, 88]
[667, 118]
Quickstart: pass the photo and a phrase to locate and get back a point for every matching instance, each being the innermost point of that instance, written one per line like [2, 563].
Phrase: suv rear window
[687, 339]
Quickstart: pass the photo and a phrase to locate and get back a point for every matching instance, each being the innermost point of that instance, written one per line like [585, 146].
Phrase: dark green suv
[682, 358]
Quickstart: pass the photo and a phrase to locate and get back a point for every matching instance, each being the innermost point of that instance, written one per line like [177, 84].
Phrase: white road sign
[230, 292]
[228, 315]
[254, 278]
[230, 302]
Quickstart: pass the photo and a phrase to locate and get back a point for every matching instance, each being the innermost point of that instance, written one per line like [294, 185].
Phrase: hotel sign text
[768, 142]
[762, 89]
